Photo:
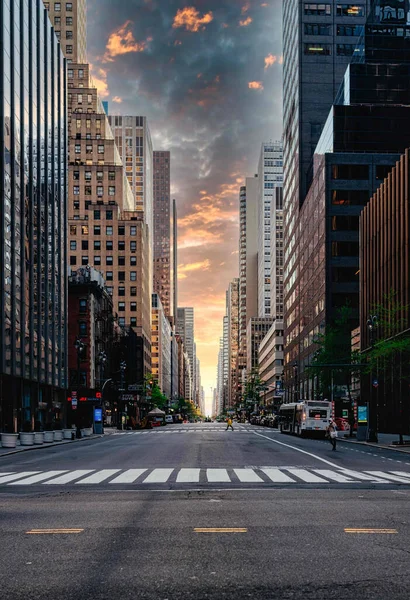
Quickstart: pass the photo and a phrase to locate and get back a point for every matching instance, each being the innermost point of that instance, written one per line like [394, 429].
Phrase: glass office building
[33, 173]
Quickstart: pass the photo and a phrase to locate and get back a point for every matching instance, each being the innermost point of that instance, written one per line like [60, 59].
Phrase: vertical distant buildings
[233, 337]
[33, 217]
[270, 177]
[174, 259]
[161, 347]
[162, 228]
[185, 329]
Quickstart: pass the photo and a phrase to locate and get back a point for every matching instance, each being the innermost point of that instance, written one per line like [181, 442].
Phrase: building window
[133, 307]
[70, 73]
[73, 260]
[111, 190]
[84, 261]
[121, 306]
[109, 230]
[73, 229]
[108, 215]
[100, 191]
[121, 321]
[109, 275]
[345, 249]
[350, 197]
[133, 276]
[133, 261]
[97, 230]
[382, 171]
[121, 261]
[133, 291]
[349, 30]
[82, 305]
[89, 149]
[109, 245]
[133, 246]
[100, 175]
[97, 245]
[133, 321]
[109, 289]
[84, 229]
[111, 175]
[69, 20]
[133, 230]
[82, 328]
[121, 291]
[88, 175]
[346, 49]
[109, 260]
[69, 35]
[77, 149]
[318, 9]
[121, 275]
[311, 29]
[318, 49]
[97, 260]
[57, 7]
[121, 230]
[350, 172]
[76, 175]
[121, 245]
[73, 245]
[69, 6]
[100, 148]
[69, 49]
[97, 215]
[350, 10]
[84, 245]
[87, 190]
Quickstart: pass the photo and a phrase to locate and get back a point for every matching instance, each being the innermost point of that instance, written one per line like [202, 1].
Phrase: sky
[208, 76]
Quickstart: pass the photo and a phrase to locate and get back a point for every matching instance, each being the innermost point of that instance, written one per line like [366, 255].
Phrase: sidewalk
[19, 448]
[385, 441]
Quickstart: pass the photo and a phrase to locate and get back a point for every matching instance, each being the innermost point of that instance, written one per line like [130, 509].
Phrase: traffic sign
[74, 403]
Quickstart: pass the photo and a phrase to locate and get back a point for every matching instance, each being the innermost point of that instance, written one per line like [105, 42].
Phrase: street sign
[375, 383]
[74, 403]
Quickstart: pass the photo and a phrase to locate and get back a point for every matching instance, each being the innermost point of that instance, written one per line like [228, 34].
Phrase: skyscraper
[162, 228]
[33, 218]
[185, 328]
[233, 336]
[270, 177]
[174, 259]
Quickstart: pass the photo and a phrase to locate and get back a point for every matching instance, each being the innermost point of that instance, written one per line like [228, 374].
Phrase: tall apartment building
[270, 177]
[276, 255]
[257, 329]
[70, 24]
[106, 230]
[174, 259]
[219, 403]
[33, 218]
[162, 228]
[233, 336]
[319, 40]
[161, 346]
[185, 328]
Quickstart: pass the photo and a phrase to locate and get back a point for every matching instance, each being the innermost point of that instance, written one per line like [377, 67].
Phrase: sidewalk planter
[88, 431]
[38, 437]
[26, 439]
[67, 434]
[49, 436]
[9, 440]
[58, 435]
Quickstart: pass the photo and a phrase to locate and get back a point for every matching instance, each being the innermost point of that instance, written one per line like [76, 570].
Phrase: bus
[305, 417]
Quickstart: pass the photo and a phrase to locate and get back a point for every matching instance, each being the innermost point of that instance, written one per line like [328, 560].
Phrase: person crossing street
[229, 424]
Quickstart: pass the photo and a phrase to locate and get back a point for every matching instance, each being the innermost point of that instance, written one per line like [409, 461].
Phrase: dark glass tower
[33, 174]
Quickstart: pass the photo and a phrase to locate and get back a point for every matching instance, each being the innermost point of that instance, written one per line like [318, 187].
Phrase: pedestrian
[331, 433]
[229, 424]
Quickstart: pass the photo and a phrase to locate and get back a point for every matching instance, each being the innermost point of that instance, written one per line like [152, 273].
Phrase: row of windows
[97, 230]
[57, 6]
[97, 245]
[99, 190]
[342, 10]
[68, 20]
[109, 261]
[80, 73]
[326, 49]
[88, 175]
[324, 29]
[89, 149]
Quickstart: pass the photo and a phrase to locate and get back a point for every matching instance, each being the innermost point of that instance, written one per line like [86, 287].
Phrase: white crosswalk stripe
[245, 475]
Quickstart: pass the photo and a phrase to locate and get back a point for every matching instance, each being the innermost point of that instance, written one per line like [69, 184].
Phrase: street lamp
[295, 374]
[123, 368]
[372, 324]
[80, 348]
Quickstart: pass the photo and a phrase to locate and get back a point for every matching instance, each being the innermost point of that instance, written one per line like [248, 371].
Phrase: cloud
[99, 78]
[122, 41]
[245, 8]
[245, 22]
[117, 99]
[270, 60]
[198, 266]
[255, 85]
[189, 17]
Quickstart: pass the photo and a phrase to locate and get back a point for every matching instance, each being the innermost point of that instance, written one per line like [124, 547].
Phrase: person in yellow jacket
[229, 424]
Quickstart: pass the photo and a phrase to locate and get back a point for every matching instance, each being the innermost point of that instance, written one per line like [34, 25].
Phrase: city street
[195, 511]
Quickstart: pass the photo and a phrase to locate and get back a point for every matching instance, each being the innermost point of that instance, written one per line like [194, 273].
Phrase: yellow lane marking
[220, 530]
[358, 530]
[41, 531]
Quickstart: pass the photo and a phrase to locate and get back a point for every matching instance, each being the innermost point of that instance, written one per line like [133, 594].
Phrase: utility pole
[372, 324]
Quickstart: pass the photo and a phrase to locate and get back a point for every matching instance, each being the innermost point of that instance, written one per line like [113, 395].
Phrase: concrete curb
[53, 445]
[371, 445]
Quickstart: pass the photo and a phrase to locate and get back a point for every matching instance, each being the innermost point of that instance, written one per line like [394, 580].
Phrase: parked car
[169, 419]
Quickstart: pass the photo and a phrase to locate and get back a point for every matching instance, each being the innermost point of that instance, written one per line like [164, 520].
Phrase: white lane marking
[128, 476]
[304, 475]
[98, 477]
[277, 476]
[69, 477]
[188, 476]
[247, 476]
[323, 460]
[217, 476]
[158, 476]
[8, 478]
[362, 476]
[401, 474]
[334, 476]
[388, 476]
[38, 478]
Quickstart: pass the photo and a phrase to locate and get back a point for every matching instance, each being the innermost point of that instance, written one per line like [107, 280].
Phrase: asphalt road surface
[198, 512]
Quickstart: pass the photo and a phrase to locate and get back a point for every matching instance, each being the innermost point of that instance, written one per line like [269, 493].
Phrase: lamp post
[80, 348]
[295, 374]
[123, 368]
[372, 324]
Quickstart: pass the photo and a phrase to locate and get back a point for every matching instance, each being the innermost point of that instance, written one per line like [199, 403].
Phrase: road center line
[220, 530]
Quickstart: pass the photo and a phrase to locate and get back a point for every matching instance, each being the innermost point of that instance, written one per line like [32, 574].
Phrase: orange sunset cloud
[122, 41]
[255, 85]
[99, 78]
[245, 22]
[189, 17]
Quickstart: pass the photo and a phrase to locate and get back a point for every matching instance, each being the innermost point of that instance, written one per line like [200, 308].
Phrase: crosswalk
[178, 431]
[211, 476]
